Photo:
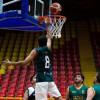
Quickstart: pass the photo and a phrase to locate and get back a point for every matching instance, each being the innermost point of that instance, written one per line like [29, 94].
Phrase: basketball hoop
[55, 24]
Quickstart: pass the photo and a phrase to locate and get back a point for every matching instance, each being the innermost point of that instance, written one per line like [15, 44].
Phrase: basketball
[55, 8]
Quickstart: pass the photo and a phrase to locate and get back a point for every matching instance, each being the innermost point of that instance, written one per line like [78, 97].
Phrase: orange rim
[55, 16]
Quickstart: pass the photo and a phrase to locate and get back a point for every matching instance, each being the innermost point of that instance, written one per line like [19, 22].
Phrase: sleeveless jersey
[43, 65]
[96, 88]
[31, 93]
[78, 94]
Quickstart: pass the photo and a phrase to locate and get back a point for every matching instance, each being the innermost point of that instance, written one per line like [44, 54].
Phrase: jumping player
[44, 79]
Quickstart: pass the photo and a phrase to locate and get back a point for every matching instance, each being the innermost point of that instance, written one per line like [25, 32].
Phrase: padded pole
[24, 7]
[1, 6]
[31, 3]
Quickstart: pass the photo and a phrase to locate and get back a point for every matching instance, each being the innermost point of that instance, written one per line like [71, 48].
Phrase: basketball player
[77, 91]
[44, 79]
[94, 91]
[30, 92]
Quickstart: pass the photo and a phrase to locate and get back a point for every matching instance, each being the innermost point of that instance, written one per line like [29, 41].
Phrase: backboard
[22, 14]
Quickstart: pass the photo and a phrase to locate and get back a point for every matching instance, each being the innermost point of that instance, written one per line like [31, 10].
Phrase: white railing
[10, 2]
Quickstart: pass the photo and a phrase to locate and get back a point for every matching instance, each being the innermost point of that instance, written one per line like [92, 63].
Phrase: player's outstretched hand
[6, 62]
[49, 35]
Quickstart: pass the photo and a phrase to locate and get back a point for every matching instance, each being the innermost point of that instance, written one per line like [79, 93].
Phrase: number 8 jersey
[43, 65]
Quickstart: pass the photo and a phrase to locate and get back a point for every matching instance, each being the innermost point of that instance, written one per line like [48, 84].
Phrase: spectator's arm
[67, 94]
[90, 93]
[25, 95]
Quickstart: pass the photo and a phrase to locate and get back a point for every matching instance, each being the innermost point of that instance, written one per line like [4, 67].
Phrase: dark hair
[98, 77]
[80, 75]
[42, 41]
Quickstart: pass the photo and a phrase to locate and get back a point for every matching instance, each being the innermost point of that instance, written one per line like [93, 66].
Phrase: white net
[55, 26]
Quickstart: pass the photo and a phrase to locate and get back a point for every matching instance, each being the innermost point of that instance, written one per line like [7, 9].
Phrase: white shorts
[42, 89]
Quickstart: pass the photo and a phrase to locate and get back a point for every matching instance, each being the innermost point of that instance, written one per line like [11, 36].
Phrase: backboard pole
[49, 5]
[1, 6]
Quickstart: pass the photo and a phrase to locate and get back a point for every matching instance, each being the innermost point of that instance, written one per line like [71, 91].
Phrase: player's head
[42, 41]
[78, 78]
[33, 79]
[97, 78]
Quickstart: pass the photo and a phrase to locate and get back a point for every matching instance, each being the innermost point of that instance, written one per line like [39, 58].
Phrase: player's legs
[41, 91]
[53, 91]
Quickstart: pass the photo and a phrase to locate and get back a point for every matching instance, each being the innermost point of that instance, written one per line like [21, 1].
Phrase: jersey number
[47, 62]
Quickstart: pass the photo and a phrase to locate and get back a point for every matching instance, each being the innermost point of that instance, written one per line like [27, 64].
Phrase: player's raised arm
[29, 58]
[49, 40]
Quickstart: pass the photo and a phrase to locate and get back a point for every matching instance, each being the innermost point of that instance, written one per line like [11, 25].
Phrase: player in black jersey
[44, 80]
